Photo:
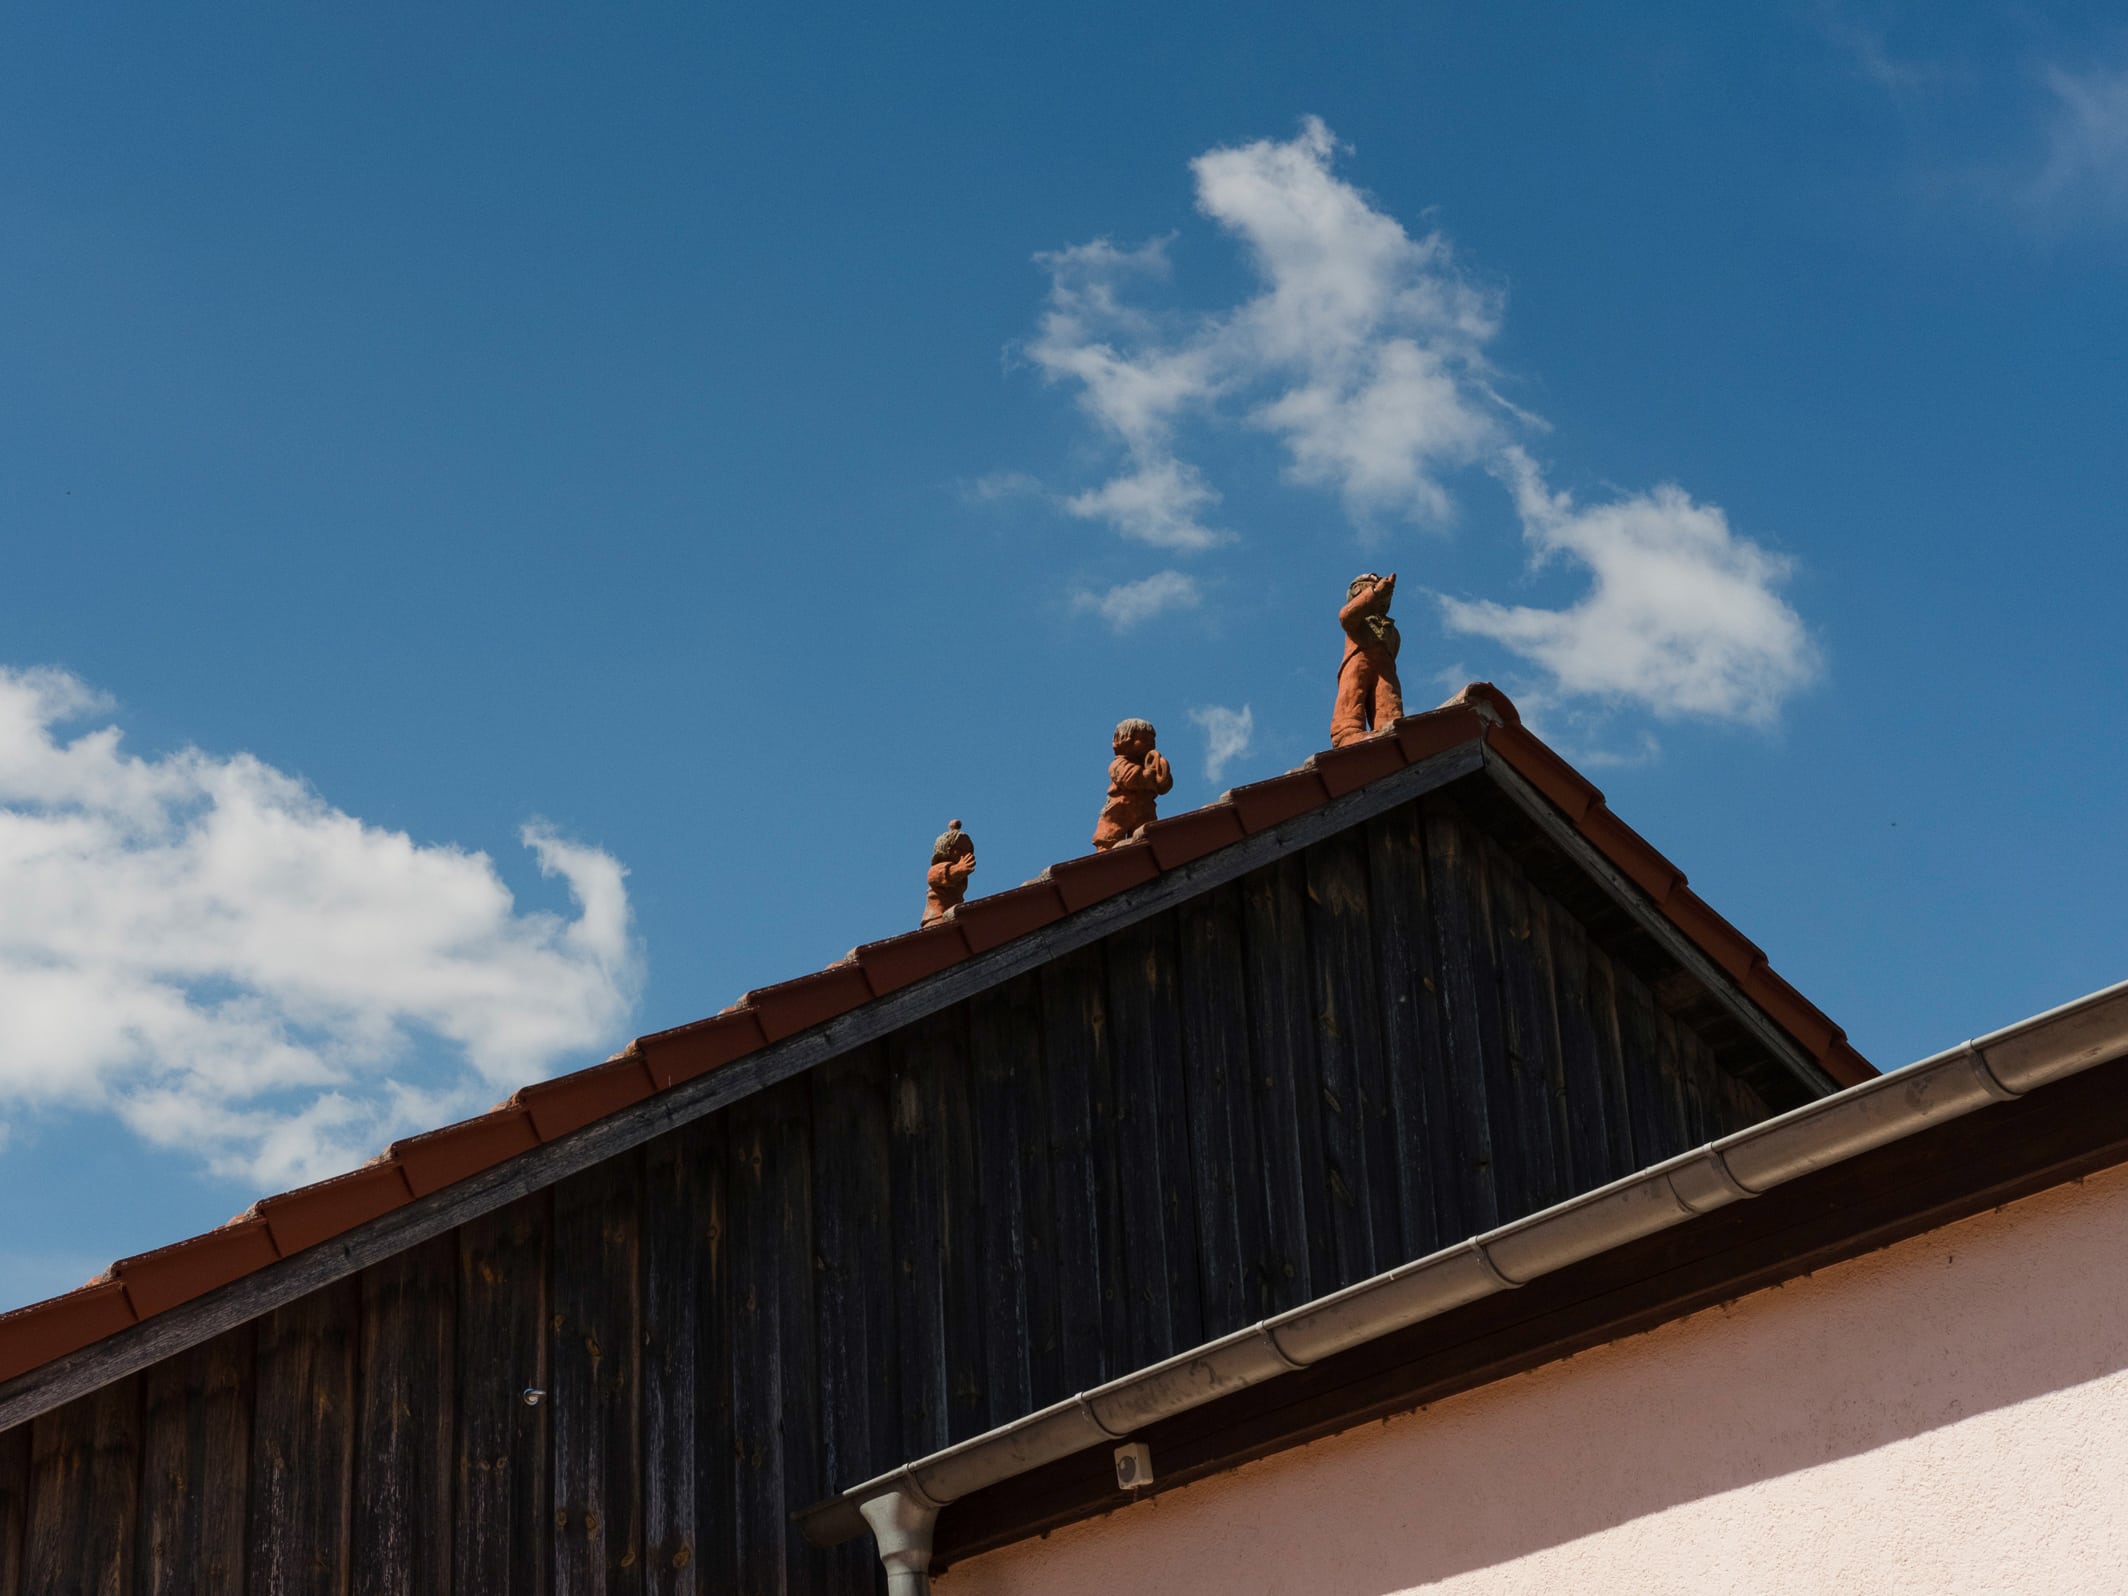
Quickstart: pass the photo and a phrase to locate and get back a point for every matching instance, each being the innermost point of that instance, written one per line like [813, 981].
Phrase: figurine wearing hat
[1369, 698]
[952, 863]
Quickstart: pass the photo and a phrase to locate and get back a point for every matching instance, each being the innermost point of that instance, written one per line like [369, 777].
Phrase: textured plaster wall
[1948, 1415]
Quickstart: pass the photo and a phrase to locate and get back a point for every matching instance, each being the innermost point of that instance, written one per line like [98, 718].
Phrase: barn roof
[990, 937]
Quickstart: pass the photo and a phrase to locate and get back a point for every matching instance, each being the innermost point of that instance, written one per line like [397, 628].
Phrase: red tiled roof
[154, 1282]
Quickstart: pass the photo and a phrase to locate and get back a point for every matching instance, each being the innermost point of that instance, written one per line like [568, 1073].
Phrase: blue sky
[560, 507]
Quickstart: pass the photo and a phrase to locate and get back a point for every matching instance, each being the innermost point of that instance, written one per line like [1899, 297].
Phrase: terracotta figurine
[952, 863]
[1136, 777]
[1368, 696]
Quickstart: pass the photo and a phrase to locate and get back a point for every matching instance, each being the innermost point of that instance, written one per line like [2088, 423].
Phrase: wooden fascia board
[165, 1335]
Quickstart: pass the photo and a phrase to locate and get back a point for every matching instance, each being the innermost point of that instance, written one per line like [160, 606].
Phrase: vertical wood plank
[594, 1358]
[1004, 1060]
[1093, 1316]
[84, 1492]
[1680, 1099]
[1226, 1200]
[195, 1469]
[1036, 1156]
[916, 1170]
[1649, 1114]
[944, 1040]
[404, 1447]
[1301, 1247]
[775, 1402]
[1358, 1132]
[303, 1444]
[1411, 1031]
[1160, 1264]
[14, 1505]
[686, 1445]
[1591, 1107]
[852, 1201]
[1541, 1164]
[1470, 1019]
[1622, 1133]
[804, 1477]
[502, 1527]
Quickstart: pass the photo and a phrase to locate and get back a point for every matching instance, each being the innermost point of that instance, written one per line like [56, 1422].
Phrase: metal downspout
[902, 1521]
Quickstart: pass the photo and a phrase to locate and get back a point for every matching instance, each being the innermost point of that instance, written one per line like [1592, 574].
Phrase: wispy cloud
[206, 947]
[2083, 167]
[1227, 736]
[1361, 349]
[995, 487]
[1132, 604]
[1682, 615]
[1869, 51]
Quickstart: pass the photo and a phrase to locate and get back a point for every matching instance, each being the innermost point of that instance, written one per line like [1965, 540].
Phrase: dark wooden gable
[1410, 1029]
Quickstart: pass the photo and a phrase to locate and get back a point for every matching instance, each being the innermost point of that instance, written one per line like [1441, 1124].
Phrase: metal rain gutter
[1997, 1068]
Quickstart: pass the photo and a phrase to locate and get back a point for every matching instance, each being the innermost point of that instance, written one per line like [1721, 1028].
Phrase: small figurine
[1136, 777]
[952, 863]
[1368, 695]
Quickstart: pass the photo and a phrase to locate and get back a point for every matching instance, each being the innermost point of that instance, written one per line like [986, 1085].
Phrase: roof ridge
[140, 1287]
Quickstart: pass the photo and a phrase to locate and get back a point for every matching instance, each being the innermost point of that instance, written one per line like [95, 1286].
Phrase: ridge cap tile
[682, 1052]
[1092, 877]
[438, 1158]
[37, 1332]
[164, 1277]
[328, 1208]
[564, 1103]
[1002, 917]
[1177, 839]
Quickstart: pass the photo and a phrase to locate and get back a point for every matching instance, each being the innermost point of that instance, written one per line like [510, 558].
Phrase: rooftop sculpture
[952, 863]
[1137, 776]
[1369, 698]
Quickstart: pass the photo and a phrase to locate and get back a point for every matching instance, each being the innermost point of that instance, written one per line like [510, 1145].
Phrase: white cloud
[204, 946]
[1362, 351]
[1227, 735]
[2085, 164]
[1134, 603]
[997, 486]
[1682, 615]
[1361, 348]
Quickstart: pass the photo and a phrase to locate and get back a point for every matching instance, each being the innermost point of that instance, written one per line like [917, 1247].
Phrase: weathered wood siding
[1354, 1056]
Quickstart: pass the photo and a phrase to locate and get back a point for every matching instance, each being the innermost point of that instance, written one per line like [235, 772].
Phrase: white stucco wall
[1946, 1416]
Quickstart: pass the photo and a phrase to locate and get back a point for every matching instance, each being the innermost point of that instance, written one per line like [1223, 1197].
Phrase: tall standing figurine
[1136, 777]
[946, 882]
[1368, 695]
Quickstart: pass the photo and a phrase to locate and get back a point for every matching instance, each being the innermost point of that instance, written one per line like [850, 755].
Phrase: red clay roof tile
[894, 963]
[1437, 731]
[32, 1336]
[1631, 853]
[1181, 838]
[1094, 876]
[797, 1005]
[569, 1102]
[993, 921]
[1546, 771]
[1793, 1012]
[686, 1051]
[436, 1158]
[1264, 804]
[158, 1281]
[1715, 937]
[1353, 766]
[311, 1214]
